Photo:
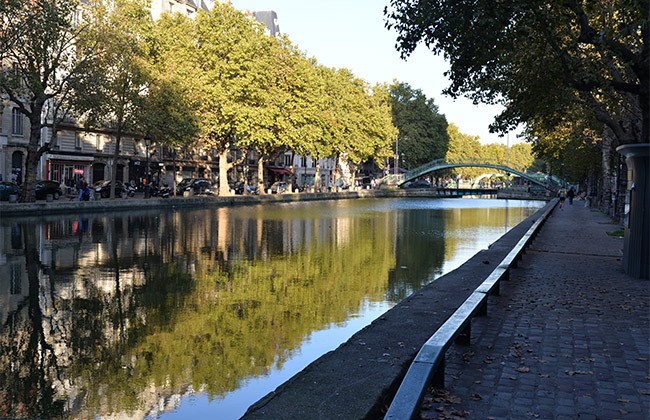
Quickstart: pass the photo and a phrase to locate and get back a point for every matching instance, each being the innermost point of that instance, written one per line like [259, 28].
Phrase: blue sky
[351, 34]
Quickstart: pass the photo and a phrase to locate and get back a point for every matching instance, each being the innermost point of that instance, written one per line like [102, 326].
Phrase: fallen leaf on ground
[579, 372]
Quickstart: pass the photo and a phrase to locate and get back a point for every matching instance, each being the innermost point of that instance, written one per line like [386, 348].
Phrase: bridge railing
[547, 182]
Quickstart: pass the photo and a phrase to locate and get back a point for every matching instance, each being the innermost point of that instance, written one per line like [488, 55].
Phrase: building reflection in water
[122, 314]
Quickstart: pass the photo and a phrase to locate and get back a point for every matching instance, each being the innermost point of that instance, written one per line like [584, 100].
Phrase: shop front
[69, 169]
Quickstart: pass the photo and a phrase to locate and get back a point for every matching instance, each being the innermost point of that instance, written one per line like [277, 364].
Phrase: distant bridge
[440, 164]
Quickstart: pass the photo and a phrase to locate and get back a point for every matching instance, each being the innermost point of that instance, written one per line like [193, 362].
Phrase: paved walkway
[568, 338]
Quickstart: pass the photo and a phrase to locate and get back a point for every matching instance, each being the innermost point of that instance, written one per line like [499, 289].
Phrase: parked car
[279, 187]
[8, 188]
[103, 187]
[45, 187]
[238, 188]
[420, 183]
[196, 185]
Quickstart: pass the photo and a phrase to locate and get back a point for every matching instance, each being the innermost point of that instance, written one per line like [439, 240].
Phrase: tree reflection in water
[124, 312]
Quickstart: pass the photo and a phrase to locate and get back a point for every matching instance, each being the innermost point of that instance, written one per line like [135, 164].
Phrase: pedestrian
[85, 196]
[571, 194]
[80, 189]
[562, 194]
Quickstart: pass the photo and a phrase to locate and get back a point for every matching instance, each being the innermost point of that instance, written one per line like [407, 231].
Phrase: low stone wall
[66, 206]
[63, 206]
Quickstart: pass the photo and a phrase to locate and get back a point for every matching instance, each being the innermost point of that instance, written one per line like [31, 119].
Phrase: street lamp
[147, 142]
[396, 156]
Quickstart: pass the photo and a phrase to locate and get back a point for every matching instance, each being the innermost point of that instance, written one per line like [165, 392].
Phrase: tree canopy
[540, 58]
[38, 68]
[261, 93]
[422, 129]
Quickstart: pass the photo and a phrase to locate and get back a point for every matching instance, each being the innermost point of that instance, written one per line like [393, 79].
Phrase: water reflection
[122, 314]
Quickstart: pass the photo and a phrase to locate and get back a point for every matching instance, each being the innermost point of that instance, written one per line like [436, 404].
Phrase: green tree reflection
[123, 311]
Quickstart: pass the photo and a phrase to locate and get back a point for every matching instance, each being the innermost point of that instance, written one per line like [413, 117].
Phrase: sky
[351, 34]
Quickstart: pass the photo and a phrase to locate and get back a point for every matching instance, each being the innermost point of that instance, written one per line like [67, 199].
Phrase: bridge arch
[438, 165]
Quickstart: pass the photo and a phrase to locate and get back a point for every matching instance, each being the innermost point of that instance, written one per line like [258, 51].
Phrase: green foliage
[540, 59]
[466, 148]
[463, 148]
[118, 83]
[422, 130]
[114, 92]
[171, 109]
[571, 150]
[261, 93]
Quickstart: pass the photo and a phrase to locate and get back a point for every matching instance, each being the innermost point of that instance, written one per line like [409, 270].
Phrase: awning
[280, 171]
[69, 157]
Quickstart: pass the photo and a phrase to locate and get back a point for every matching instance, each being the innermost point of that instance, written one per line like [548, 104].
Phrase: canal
[200, 312]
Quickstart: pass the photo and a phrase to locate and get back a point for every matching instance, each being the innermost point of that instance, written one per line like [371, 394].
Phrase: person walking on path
[566, 338]
[562, 194]
[571, 194]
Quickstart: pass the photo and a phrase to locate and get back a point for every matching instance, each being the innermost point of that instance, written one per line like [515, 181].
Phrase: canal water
[200, 312]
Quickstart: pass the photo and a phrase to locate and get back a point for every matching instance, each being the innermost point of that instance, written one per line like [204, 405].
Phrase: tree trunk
[605, 193]
[291, 175]
[116, 156]
[224, 166]
[317, 185]
[33, 156]
[337, 175]
[260, 175]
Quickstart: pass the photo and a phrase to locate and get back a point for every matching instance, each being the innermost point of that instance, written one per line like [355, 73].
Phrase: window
[16, 122]
[76, 19]
[16, 284]
[313, 162]
[303, 161]
[287, 160]
[77, 140]
[99, 144]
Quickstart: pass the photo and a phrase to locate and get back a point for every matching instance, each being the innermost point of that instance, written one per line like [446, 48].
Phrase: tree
[520, 157]
[40, 60]
[114, 96]
[573, 148]
[225, 48]
[275, 108]
[170, 113]
[356, 119]
[379, 131]
[540, 58]
[463, 148]
[422, 130]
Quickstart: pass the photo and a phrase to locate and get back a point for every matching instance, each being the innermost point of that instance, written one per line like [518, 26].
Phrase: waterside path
[568, 337]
